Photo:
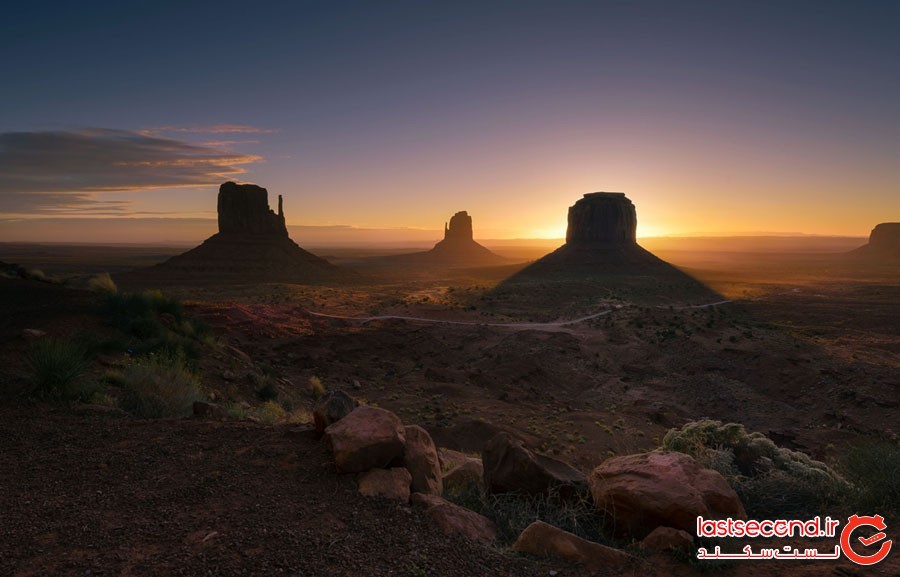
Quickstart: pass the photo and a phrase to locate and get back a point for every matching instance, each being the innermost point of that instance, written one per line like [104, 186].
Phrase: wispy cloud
[211, 129]
[60, 204]
[64, 172]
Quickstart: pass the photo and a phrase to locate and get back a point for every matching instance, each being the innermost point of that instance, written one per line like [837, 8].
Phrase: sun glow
[547, 232]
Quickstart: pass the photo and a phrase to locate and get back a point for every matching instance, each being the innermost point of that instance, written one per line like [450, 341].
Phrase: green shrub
[102, 283]
[770, 480]
[159, 386]
[157, 324]
[874, 471]
[271, 412]
[139, 313]
[59, 371]
[267, 390]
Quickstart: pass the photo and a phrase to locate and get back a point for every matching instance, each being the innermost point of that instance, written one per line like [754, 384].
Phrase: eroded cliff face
[885, 237]
[459, 229]
[244, 209]
[459, 246]
[252, 245]
[601, 259]
[603, 218]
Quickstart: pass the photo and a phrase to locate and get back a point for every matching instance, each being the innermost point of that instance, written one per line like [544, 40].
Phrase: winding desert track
[553, 325]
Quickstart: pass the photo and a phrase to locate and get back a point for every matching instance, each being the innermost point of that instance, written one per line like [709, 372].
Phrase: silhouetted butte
[252, 245]
[601, 257]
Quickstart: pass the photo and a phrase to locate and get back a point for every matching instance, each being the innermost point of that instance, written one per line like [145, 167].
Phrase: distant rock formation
[601, 254]
[458, 249]
[244, 209]
[459, 246]
[252, 245]
[602, 218]
[459, 229]
[884, 242]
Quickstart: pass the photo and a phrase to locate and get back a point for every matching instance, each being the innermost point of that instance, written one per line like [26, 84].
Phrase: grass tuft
[159, 386]
[59, 371]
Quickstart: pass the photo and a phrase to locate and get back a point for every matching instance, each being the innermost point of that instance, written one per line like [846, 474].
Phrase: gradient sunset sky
[389, 116]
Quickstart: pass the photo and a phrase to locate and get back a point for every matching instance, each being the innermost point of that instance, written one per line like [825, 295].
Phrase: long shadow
[583, 275]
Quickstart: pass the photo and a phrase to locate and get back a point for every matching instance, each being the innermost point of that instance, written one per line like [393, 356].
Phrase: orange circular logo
[853, 523]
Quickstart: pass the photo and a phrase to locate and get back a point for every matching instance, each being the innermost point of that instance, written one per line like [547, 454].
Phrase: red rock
[509, 466]
[543, 540]
[646, 491]
[466, 475]
[455, 520]
[387, 483]
[450, 458]
[425, 500]
[421, 458]
[331, 408]
[367, 438]
[668, 539]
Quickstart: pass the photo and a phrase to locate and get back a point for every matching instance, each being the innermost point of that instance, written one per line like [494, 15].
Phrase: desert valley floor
[802, 348]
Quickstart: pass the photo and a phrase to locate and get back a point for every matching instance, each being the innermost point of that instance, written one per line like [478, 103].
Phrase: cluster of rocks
[655, 497]
[393, 461]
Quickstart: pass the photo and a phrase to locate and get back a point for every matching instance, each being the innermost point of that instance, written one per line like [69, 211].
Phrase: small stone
[668, 539]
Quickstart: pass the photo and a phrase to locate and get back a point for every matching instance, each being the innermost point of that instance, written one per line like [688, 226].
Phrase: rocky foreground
[99, 494]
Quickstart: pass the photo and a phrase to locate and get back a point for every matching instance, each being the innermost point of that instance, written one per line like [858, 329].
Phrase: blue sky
[723, 116]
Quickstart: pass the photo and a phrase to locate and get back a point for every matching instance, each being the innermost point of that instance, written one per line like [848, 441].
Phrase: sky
[380, 119]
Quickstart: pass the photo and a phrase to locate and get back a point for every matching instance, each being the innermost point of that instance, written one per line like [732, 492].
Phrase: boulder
[665, 539]
[421, 458]
[543, 540]
[331, 408]
[387, 483]
[649, 490]
[367, 438]
[455, 520]
[450, 458]
[466, 475]
[510, 467]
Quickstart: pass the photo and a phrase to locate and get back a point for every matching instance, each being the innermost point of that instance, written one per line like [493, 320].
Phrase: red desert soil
[100, 495]
[87, 492]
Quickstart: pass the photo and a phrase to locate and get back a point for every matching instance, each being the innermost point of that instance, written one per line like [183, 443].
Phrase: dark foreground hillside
[96, 494]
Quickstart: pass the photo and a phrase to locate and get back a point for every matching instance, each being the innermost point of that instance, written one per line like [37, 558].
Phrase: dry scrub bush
[159, 386]
[770, 480]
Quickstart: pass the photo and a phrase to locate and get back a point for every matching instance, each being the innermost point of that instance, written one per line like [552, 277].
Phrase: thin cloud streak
[60, 172]
[212, 129]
